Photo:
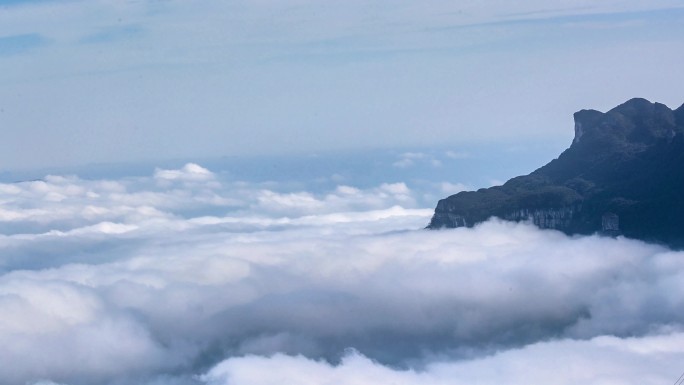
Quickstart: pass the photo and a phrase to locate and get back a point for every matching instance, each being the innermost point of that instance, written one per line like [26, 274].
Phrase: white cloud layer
[601, 360]
[189, 277]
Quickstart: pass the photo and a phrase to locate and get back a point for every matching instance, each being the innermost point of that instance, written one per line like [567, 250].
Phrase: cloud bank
[189, 277]
[602, 360]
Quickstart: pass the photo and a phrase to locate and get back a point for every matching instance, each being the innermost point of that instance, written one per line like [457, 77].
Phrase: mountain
[623, 174]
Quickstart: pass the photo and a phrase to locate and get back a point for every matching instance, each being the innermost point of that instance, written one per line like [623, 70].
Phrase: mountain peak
[585, 119]
[634, 105]
[622, 174]
[636, 122]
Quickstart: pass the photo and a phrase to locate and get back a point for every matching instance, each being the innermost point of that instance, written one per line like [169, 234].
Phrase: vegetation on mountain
[623, 174]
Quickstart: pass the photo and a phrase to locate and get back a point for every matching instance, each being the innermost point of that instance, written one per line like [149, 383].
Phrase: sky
[103, 81]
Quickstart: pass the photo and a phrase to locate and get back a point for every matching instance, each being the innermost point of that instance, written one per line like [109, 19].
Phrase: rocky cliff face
[622, 174]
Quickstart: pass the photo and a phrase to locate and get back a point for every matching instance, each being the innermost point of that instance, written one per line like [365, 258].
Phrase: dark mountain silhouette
[622, 174]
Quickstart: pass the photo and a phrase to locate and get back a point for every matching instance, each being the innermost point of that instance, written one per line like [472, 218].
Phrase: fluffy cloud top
[602, 360]
[181, 279]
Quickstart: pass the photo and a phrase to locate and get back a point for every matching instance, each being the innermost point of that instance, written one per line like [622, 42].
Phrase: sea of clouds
[189, 277]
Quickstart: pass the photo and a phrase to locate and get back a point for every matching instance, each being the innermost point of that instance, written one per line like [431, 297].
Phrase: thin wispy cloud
[154, 80]
[18, 44]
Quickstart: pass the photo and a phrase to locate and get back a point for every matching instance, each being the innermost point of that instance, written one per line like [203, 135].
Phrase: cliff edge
[623, 174]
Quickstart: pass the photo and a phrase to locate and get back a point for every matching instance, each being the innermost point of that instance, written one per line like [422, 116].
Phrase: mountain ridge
[622, 174]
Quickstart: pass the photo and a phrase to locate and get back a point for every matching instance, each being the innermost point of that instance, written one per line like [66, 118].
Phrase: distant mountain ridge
[622, 174]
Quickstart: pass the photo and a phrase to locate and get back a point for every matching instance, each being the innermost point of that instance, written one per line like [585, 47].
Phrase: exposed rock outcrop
[622, 174]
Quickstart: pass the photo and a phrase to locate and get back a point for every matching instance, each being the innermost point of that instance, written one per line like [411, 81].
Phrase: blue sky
[110, 81]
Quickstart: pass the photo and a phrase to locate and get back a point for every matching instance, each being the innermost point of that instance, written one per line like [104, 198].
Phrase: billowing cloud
[447, 188]
[188, 277]
[601, 360]
[189, 172]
